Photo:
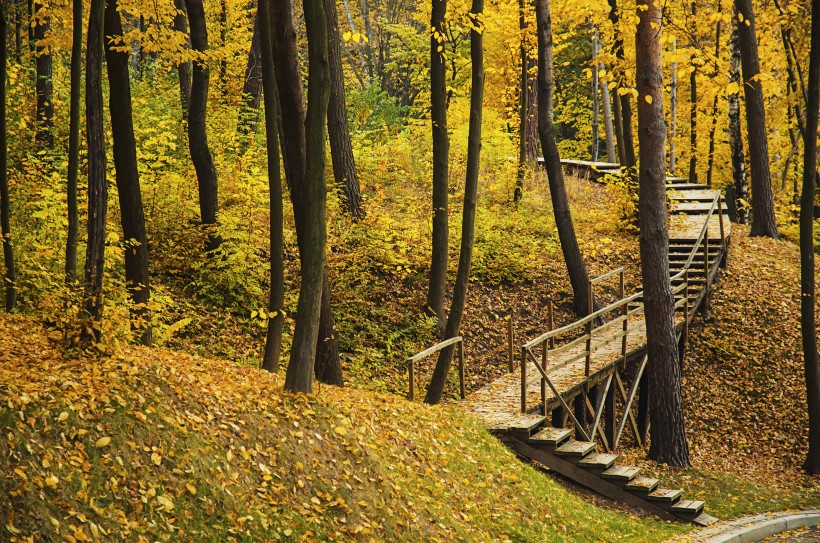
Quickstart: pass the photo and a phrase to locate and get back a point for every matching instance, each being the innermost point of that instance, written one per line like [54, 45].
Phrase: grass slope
[153, 445]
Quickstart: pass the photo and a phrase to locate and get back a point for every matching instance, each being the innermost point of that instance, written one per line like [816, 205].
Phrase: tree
[739, 184]
[341, 148]
[252, 85]
[713, 128]
[441, 151]
[693, 112]
[97, 189]
[5, 206]
[43, 84]
[276, 317]
[606, 100]
[197, 131]
[579, 278]
[807, 292]
[668, 443]
[523, 99]
[673, 106]
[74, 142]
[623, 107]
[763, 218]
[185, 68]
[137, 280]
[439, 379]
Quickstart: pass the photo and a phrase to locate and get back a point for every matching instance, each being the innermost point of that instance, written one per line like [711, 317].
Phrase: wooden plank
[434, 348]
[621, 473]
[576, 448]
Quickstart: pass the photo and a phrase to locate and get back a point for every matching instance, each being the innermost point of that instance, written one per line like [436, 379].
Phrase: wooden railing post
[510, 344]
[625, 314]
[411, 395]
[461, 368]
[523, 379]
[551, 321]
[544, 351]
[722, 233]
[706, 263]
[589, 334]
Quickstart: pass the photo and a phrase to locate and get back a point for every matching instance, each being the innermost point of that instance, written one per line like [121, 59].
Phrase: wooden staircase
[580, 462]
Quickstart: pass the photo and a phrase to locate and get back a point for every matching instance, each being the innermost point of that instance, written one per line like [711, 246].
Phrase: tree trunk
[579, 278]
[807, 292]
[223, 40]
[523, 102]
[197, 130]
[252, 86]
[74, 142]
[673, 106]
[595, 101]
[97, 189]
[626, 146]
[44, 84]
[361, 52]
[341, 148]
[137, 280]
[18, 36]
[693, 115]
[741, 187]
[299, 377]
[276, 302]
[606, 99]
[328, 366]
[533, 147]
[763, 218]
[668, 443]
[441, 150]
[713, 129]
[5, 206]
[184, 68]
[445, 358]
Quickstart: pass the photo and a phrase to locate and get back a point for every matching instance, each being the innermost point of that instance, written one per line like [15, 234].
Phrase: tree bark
[439, 379]
[693, 114]
[74, 142]
[595, 101]
[197, 130]
[5, 206]
[97, 189]
[299, 377]
[276, 302]
[137, 280]
[606, 100]
[44, 84]
[807, 292]
[252, 86]
[441, 151]
[741, 187]
[763, 217]
[673, 106]
[579, 278]
[523, 102]
[668, 443]
[713, 128]
[184, 68]
[341, 148]
[626, 146]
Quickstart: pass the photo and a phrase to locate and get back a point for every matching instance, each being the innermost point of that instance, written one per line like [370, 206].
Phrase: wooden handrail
[607, 275]
[411, 363]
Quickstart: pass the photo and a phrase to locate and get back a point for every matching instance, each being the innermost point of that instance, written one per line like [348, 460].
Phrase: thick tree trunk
[276, 302]
[673, 106]
[5, 206]
[184, 68]
[97, 189]
[668, 443]
[137, 280]
[626, 146]
[252, 85]
[341, 148]
[606, 100]
[693, 114]
[763, 218]
[74, 142]
[44, 83]
[523, 102]
[741, 187]
[299, 377]
[579, 278]
[807, 292]
[441, 151]
[197, 130]
[439, 379]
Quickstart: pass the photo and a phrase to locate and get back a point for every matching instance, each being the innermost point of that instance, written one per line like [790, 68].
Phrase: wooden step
[577, 449]
[666, 496]
[519, 423]
[688, 509]
[642, 485]
[622, 474]
[601, 461]
[550, 437]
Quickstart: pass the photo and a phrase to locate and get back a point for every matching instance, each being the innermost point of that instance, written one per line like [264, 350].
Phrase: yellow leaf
[340, 430]
[347, 35]
[51, 481]
[732, 88]
[288, 532]
[62, 416]
[191, 488]
[156, 458]
[166, 502]
[103, 442]
[648, 99]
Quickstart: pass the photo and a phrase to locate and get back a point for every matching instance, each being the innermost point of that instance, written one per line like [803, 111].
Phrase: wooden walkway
[699, 234]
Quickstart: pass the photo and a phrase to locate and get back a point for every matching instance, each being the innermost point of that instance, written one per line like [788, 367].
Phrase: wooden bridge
[583, 385]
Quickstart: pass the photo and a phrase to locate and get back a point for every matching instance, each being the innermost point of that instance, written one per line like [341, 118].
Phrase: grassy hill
[153, 445]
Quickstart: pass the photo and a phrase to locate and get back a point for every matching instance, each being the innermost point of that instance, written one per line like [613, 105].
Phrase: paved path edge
[755, 528]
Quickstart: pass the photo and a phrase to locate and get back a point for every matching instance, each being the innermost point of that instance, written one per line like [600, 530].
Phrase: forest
[242, 240]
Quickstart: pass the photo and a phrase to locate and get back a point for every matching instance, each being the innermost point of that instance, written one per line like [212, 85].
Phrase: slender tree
[97, 189]
[185, 68]
[439, 379]
[252, 84]
[137, 280]
[341, 148]
[299, 377]
[668, 443]
[5, 206]
[713, 128]
[579, 278]
[673, 107]
[623, 109]
[74, 141]
[44, 84]
[276, 317]
[523, 102]
[596, 104]
[807, 291]
[693, 112]
[763, 218]
[739, 183]
[441, 151]
[197, 130]
[606, 100]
